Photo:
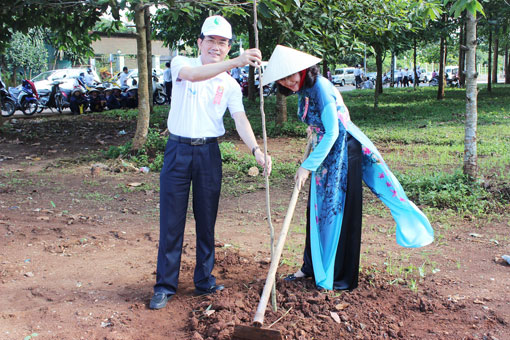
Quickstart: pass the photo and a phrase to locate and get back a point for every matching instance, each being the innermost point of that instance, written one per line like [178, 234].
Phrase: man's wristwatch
[255, 148]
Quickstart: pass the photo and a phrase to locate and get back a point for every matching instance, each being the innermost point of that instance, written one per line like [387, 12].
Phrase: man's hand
[259, 157]
[252, 57]
[301, 177]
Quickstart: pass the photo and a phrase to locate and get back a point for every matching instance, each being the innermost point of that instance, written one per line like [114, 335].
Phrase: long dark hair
[310, 77]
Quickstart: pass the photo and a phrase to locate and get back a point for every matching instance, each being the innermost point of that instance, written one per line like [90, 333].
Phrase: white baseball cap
[286, 61]
[217, 25]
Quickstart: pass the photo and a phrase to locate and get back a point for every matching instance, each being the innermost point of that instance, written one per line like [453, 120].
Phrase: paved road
[46, 113]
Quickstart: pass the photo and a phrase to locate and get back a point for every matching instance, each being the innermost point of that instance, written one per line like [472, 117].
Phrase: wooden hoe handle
[261, 309]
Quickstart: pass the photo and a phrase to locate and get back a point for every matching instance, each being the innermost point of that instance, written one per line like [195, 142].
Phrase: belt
[193, 141]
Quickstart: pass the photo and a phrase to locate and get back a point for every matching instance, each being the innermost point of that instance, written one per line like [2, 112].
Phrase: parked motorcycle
[434, 81]
[158, 91]
[50, 99]
[452, 82]
[7, 102]
[24, 97]
[66, 98]
[267, 89]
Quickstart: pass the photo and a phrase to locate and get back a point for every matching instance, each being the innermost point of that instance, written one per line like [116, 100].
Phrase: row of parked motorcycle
[27, 99]
[18, 98]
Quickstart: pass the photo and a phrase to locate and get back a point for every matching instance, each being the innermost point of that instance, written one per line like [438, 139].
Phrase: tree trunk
[416, 79]
[392, 81]
[470, 153]
[378, 81]
[148, 41]
[507, 68]
[462, 52]
[142, 124]
[489, 61]
[442, 54]
[495, 64]
[379, 65]
[281, 108]
[324, 67]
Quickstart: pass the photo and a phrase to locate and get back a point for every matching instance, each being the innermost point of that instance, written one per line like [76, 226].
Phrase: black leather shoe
[159, 300]
[210, 290]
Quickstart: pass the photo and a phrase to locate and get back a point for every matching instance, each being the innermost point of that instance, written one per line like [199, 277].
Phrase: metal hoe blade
[255, 333]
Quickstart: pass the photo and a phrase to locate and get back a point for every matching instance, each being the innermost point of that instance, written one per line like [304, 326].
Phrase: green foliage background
[420, 138]
[27, 53]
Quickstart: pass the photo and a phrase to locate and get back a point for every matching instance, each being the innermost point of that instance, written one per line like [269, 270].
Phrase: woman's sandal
[293, 277]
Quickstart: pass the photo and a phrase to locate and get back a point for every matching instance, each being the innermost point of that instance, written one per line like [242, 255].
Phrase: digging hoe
[256, 332]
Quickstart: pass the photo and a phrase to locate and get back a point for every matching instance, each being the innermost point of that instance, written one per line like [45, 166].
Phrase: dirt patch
[78, 256]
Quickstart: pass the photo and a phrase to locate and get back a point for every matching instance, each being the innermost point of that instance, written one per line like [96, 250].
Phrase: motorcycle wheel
[42, 104]
[160, 98]
[58, 103]
[8, 108]
[29, 108]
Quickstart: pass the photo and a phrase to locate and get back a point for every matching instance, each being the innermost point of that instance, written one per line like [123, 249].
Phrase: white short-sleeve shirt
[197, 108]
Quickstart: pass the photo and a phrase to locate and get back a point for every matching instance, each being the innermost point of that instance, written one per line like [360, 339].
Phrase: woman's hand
[309, 132]
[301, 176]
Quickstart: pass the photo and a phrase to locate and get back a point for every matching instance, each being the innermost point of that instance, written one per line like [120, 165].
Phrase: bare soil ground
[78, 254]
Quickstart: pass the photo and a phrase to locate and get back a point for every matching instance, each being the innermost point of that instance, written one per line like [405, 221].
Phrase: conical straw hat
[286, 61]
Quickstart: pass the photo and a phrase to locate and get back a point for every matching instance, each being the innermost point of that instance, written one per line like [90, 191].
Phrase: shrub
[151, 155]
[447, 191]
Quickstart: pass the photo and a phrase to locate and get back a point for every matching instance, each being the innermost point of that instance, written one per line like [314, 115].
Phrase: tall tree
[442, 60]
[148, 42]
[470, 147]
[142, 125]
[489, 62]
[462, 51]
[507, 66]
[472, 7]
[495, 65]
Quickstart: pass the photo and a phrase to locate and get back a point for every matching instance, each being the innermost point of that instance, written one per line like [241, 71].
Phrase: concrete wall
[126, 43]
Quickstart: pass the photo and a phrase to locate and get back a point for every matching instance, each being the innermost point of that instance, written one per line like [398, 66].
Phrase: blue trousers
[188, 165]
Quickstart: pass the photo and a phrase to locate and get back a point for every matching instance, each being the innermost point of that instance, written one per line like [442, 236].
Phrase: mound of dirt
[375, 310]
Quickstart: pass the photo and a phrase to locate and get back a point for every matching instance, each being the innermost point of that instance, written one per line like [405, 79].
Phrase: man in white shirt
[236, 73]
[405, 77]
[357, 76]
[167, 79]
[123, 77]
[89, 78]
[399, 77]
[203, 90]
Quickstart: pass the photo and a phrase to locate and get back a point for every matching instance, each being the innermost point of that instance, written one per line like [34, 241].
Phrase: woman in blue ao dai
[341, 158]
